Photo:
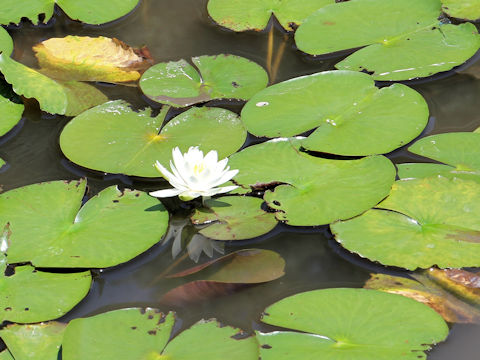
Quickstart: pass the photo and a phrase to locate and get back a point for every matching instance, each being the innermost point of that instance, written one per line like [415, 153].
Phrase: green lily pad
[120, 334]
[354, 324]
[351, 116]
[49, 229]
[32, 296]
[234, 218]
[460, 152]
[88, 11]
[423, 222]
[11, 114]
[2, 163]
[462, 9]
[115, 332]
[38, 341]
[81, 97]
[308, 191]
[388, 37]
[221, 76]
[114, 138]
[6, 42]
[241, 15]
[5, 355]
[30, 83]
[213, 341]
[224, 275]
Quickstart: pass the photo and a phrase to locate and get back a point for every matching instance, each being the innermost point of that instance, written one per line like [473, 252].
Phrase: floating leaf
[49, 229]
[113, 334]
[2, 163]
[308, 191]
[426, 291]
[241, 15]
[423, 222]
[234, 218]
[39, 341]
[32, 296]
[462, 9]
[213, 341]
[351, 116]
[114, 138]
[6, 42]
[388, 37]
[5, 355]
[81, 97]
[11, 114]
[221, 76]
[88, 11]
[350, 324]
[459, 151]
[224, 275]
[84, 58]
[120, 334]
[30, 83]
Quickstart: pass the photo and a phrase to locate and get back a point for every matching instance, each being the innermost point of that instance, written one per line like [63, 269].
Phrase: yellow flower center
[198, 168]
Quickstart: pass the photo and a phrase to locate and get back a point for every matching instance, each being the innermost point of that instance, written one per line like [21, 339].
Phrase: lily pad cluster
[388, 36]
[328, 323]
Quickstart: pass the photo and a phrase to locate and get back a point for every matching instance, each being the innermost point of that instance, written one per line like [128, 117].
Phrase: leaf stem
[170, 267]
[270, 50]
[278, 58]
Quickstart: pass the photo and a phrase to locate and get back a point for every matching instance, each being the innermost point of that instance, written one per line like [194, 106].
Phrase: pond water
[181, 29]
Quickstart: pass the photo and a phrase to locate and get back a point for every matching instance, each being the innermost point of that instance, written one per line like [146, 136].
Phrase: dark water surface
[174, 29]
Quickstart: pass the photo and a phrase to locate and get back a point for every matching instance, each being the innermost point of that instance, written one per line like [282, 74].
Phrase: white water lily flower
[194, 175]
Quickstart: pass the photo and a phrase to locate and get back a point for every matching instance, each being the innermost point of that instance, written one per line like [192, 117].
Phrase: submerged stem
[278, 58]
[170, 268]
[270, 50]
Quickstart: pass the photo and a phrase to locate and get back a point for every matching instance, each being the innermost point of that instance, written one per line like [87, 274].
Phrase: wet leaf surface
[307, 190]
[84, 58]
[423, 222]
[224, 275]
[89, 11]
[34, 296]
[30, 83]
[114, 138]
[50, 229]
[6, 42]
[425, 290]
[233, 218]
[180, 84]
[39, 341]
[121, 334]
[349, 114]
[462, 9]
[350, 324]
[388, 38]
[113, 334]
[241, 15]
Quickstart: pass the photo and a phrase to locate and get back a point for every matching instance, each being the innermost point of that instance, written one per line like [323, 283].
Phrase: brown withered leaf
[224, 275]
[425, 290]
[84, 58]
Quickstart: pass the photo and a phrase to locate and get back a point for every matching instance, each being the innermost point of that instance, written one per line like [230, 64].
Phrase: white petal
[211, 159]
[165, 193]
[226, 176]
[189, 195]
[165, 173]
[226, 189]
